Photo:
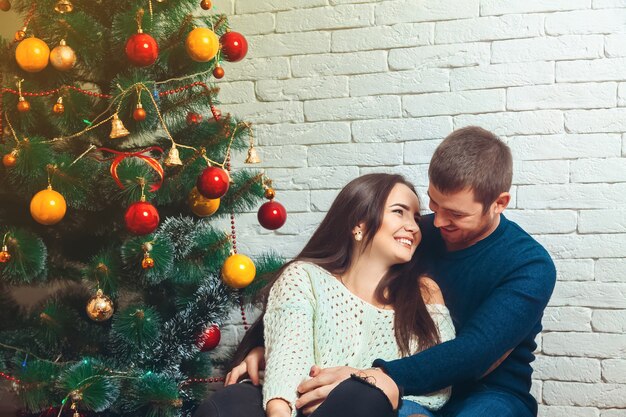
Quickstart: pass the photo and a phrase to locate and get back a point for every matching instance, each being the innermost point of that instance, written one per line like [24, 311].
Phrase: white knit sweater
[312, 319]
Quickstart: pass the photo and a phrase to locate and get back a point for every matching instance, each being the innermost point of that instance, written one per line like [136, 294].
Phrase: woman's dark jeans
[351, 398]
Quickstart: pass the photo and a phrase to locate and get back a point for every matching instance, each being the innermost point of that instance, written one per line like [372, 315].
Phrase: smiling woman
[354, 293]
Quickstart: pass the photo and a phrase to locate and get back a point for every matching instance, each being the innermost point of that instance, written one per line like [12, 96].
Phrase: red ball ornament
[141, 218]
[234, 46]
[209, 338]
[142, 50]
[213, 182]
[194, 118]
[272, 215]
[218, 72]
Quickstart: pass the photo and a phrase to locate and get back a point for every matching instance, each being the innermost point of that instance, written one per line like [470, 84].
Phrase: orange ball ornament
[48, 207]
[23, 105]
[200, 205]
[32, 55]
[202, 44]
[9, 160]
[20, 35]
[238, 271]
[218, 72]
[270, 193]
[139, 114]
[206, 4]
[147, 262]
[58, 107]
[5, 256]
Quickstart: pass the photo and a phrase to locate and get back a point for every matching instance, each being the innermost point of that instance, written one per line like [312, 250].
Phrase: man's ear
[502, 202]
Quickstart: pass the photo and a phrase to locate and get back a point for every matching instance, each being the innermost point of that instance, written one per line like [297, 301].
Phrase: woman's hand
[278, 407]
[251, 365]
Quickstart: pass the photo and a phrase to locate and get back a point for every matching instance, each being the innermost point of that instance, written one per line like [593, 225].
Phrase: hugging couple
[389, 313]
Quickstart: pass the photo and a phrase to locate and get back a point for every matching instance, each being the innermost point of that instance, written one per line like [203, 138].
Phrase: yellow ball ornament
[238, 271]
[200, 205]
[48, 207]
[202, 44]
[32, 54]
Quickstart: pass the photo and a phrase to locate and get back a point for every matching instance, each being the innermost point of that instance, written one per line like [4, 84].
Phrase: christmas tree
[116, 160]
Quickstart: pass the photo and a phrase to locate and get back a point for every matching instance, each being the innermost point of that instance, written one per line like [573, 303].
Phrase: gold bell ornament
[118, 130]
[76, 397]
[63, 6]
[173, 157]
[253, 155]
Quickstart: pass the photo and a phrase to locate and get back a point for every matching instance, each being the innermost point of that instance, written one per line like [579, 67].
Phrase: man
[496, 281]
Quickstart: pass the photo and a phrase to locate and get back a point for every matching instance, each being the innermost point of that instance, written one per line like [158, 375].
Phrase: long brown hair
[331, 247]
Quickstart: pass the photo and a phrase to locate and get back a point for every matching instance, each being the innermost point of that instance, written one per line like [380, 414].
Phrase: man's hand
[314, 391]
[251, 365]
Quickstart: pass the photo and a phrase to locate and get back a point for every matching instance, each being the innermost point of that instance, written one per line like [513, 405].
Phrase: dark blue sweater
[496, 291]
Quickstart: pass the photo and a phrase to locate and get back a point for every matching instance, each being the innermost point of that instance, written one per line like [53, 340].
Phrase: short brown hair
[472, 158]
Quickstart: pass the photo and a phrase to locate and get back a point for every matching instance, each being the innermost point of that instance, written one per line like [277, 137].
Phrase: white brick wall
[338, 88]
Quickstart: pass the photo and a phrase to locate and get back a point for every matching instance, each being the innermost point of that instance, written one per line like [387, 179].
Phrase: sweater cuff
[384, 365]
[282, 394]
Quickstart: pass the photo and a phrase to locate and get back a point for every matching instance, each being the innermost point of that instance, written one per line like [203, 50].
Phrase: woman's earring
[358, 236]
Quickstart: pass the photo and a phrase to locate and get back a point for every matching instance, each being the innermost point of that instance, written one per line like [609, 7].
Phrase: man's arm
[498, 326]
